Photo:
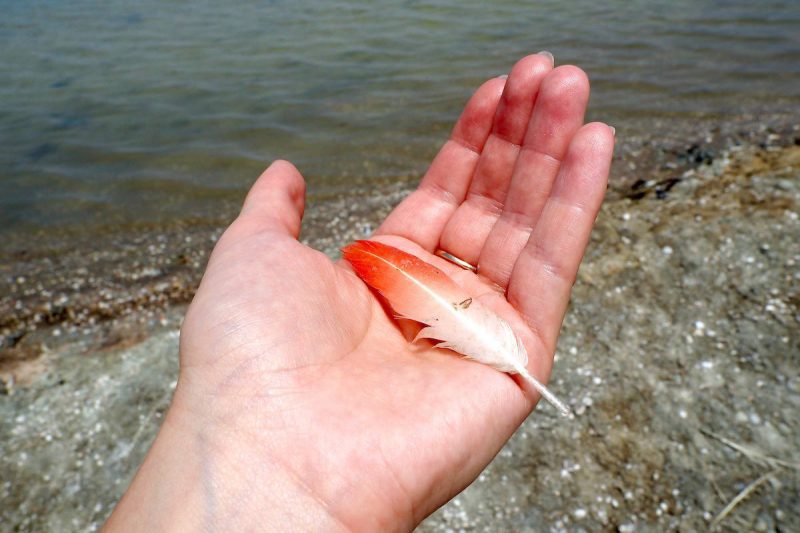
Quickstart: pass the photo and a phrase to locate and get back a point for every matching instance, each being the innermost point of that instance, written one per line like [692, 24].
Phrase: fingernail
[503, 76]
[547, 54]
[613, 131]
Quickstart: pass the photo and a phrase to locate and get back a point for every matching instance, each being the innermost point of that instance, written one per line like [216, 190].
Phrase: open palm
[291, 361]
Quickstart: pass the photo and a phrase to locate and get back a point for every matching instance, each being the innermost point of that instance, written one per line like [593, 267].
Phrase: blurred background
[130, 132]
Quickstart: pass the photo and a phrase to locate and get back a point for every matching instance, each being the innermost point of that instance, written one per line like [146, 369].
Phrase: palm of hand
[291, 356]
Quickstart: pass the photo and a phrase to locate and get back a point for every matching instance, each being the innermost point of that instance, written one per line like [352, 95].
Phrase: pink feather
[419, 291]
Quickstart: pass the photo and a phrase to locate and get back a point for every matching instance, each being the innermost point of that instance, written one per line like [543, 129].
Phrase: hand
[301, 404]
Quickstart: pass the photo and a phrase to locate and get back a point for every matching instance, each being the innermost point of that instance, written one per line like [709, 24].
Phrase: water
[120, 114]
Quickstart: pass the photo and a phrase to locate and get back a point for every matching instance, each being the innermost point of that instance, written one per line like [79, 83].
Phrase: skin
[301, 403]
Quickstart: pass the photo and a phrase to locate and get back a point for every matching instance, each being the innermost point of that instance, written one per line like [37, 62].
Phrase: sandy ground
[680, 354]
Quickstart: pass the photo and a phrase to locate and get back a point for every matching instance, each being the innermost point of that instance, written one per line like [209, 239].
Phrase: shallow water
[115, 114]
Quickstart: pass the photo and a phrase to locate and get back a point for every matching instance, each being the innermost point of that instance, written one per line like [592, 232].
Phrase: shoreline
[116, 290]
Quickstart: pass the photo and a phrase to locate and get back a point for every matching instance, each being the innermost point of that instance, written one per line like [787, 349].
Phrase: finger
[471, 223]
[557, 116]
[422, 216]
[275, 202]
[545, 271]
[557, 113]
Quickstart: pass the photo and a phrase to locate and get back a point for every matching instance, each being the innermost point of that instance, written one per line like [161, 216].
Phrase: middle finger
[557, 116]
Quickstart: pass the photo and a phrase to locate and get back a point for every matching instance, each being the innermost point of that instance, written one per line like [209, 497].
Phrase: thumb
[277, 199]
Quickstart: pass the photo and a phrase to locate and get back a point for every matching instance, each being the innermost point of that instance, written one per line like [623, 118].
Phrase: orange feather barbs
[419, 291]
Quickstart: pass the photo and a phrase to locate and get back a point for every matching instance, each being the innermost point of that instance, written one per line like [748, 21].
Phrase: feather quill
[419, 291]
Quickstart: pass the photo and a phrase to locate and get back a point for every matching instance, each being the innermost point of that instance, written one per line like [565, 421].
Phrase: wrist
[196, 477]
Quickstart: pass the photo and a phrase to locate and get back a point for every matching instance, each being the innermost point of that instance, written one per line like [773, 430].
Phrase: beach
[129, 138]
[679, 356]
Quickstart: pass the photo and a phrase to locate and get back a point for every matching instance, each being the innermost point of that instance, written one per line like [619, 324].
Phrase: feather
[419, 291]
